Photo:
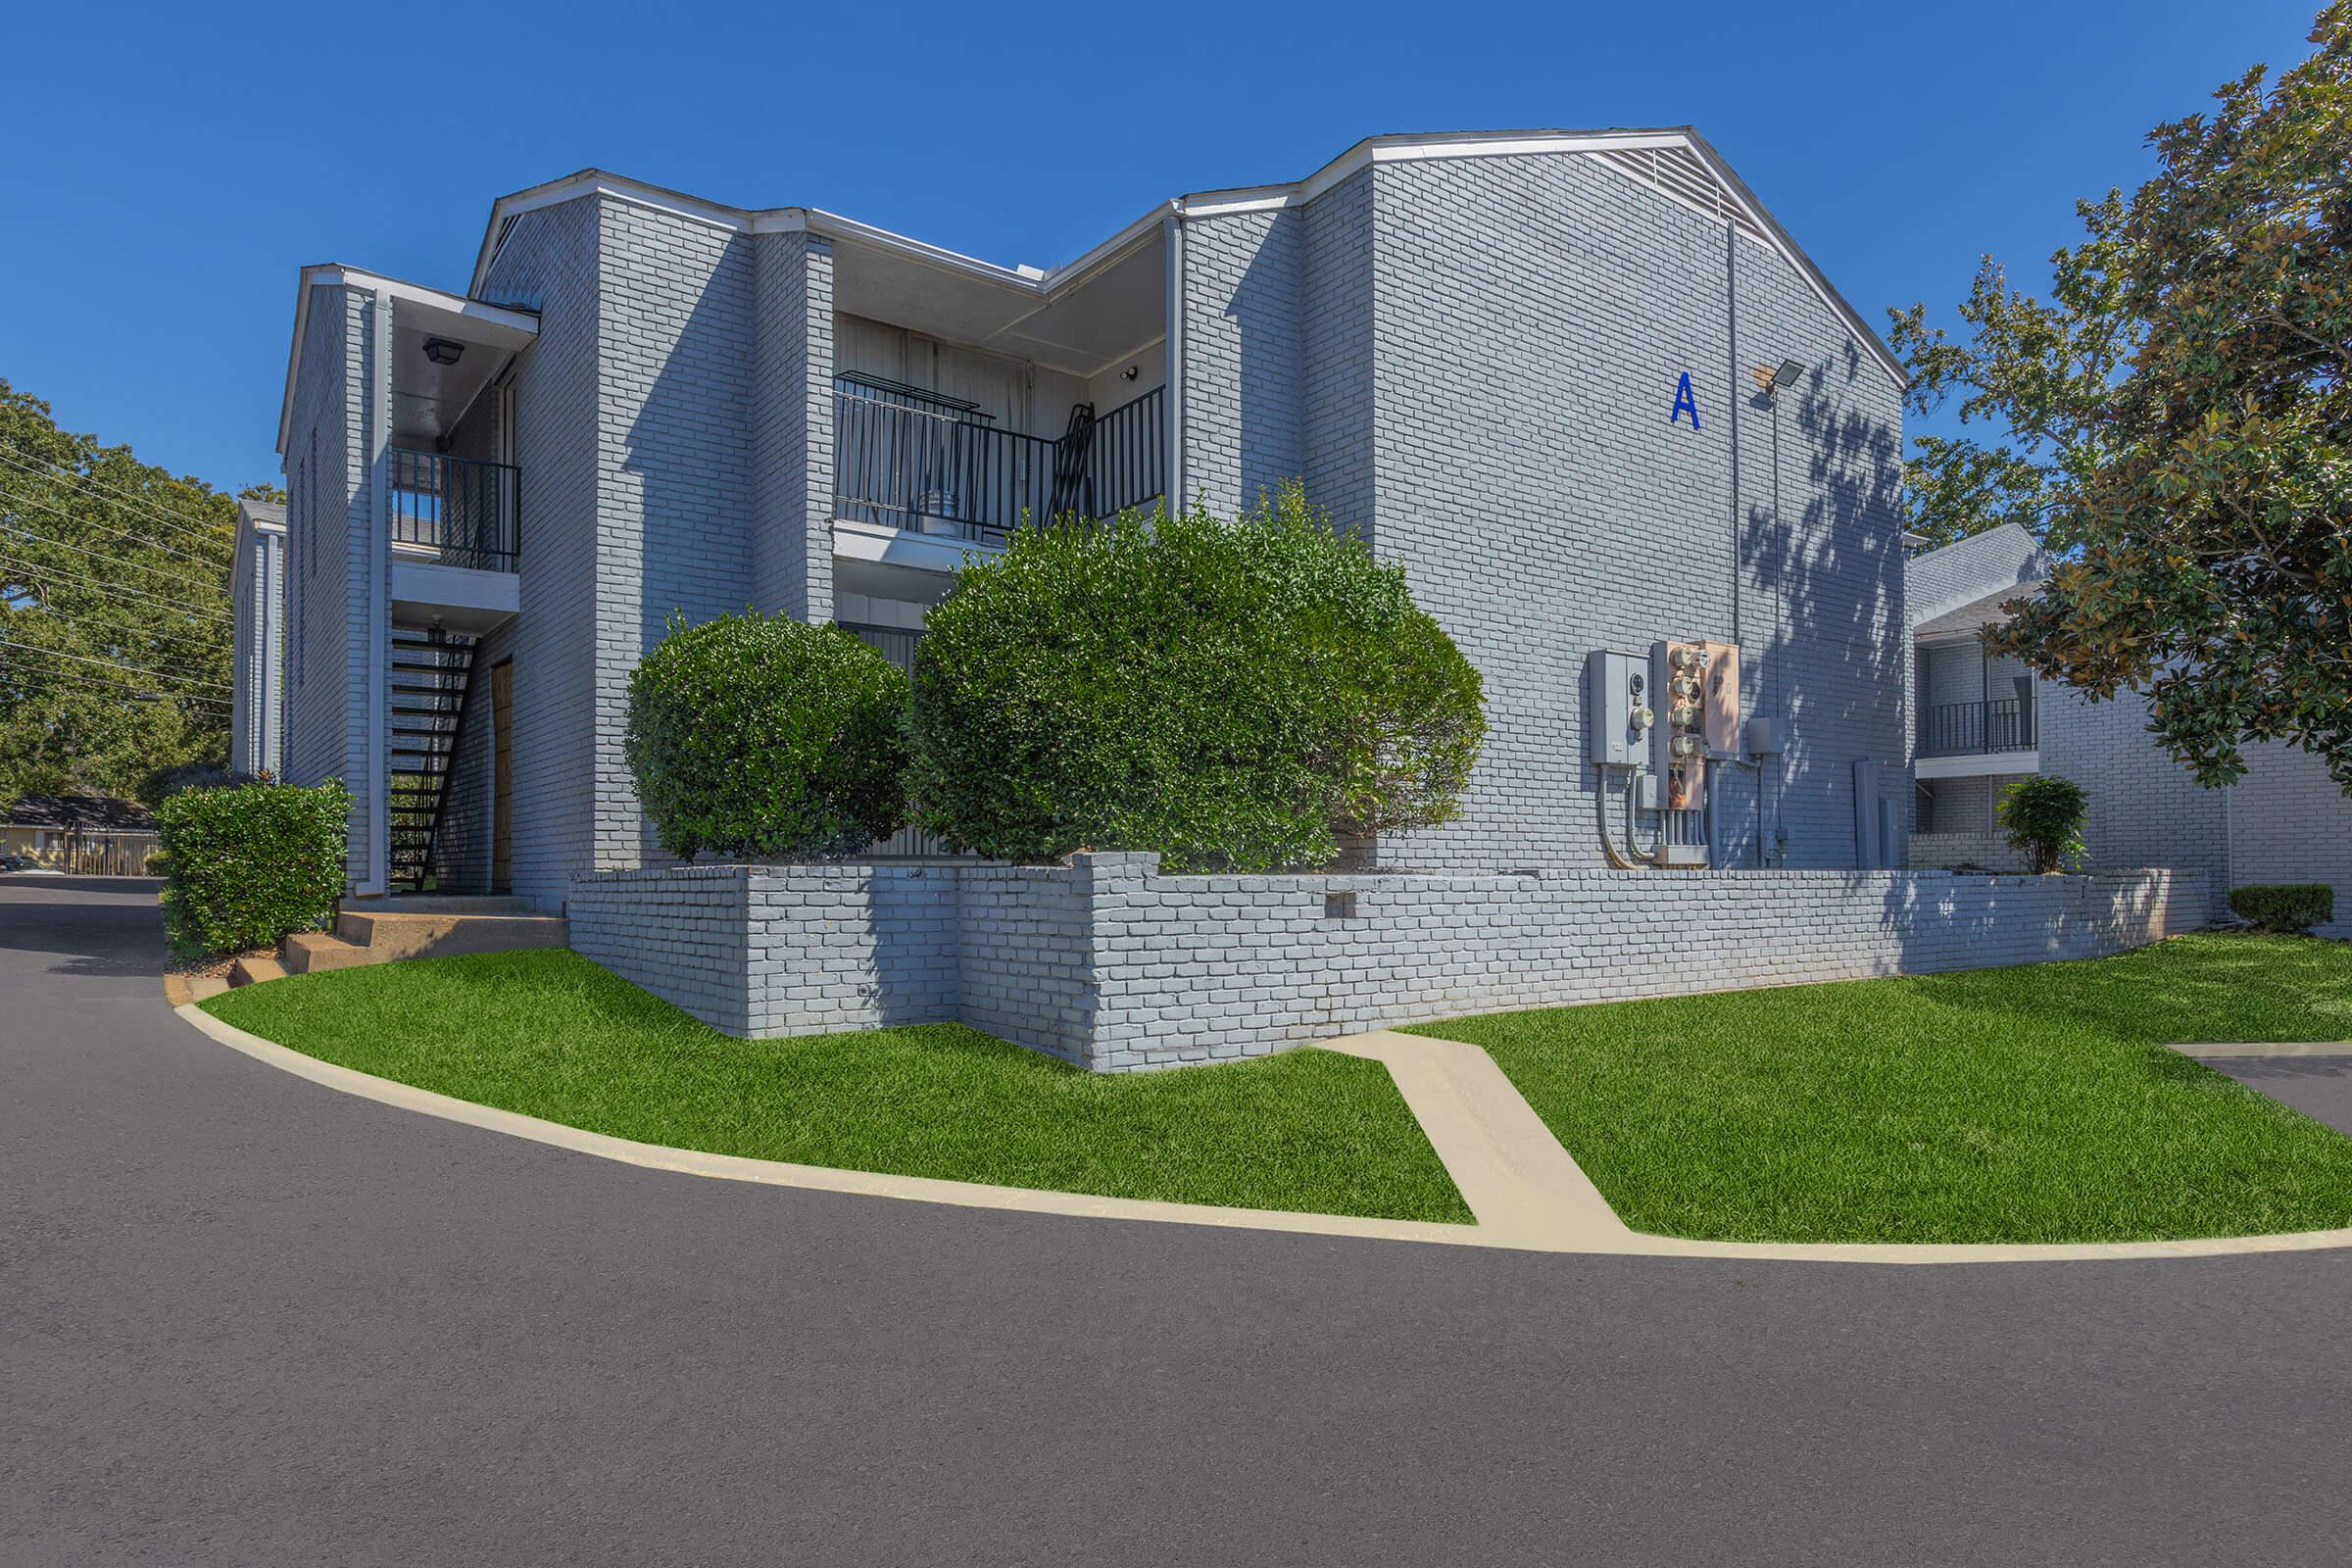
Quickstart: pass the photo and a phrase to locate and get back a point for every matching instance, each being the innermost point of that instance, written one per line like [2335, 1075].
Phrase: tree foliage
[2177, 420]
[1235, 695]
[115, 621]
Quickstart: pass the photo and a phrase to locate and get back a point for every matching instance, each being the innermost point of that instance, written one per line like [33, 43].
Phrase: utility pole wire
[122, 533]
[111, 663]
[185, 521]
[144, 690]
[208, 642]
[35, 574]
[189, 582]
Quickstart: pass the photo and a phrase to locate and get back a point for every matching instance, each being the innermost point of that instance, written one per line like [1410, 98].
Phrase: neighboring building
[85, 835]
[1984, 722]
[1535, 367]
[258, 603]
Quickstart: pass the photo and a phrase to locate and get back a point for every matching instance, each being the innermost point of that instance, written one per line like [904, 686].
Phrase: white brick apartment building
[1986, 721]
[1581, 383]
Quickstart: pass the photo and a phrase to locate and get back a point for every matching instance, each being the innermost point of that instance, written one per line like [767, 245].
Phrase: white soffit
[472, 320]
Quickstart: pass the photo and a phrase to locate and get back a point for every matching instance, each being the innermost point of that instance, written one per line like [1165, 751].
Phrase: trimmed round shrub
[1235, 695]
[2290, 908]
[764, 738]
[2043, 816]
[245, 866]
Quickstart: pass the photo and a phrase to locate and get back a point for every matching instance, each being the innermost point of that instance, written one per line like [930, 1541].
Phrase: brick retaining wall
[1107, 963]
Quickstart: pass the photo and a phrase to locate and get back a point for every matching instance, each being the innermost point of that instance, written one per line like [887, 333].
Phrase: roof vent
[1678, 171]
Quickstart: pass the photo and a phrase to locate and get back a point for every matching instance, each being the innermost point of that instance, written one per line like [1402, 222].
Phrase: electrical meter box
[1720, 716]
[1678, 675]
[1618, 710]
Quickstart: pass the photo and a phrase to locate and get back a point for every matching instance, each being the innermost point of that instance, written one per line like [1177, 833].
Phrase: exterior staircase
[431, 680]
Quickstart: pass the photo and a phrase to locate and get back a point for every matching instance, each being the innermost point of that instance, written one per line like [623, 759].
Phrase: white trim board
[1977, 765]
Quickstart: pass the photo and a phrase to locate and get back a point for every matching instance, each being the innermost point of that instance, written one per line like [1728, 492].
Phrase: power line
[111, 663]
[117, 560]
[88, 586]
[185, 521]
[147, 689]
[123, 533]
[209, 642]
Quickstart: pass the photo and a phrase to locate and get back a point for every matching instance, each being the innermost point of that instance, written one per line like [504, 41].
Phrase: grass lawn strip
[2019, 1105]
[549, 1034]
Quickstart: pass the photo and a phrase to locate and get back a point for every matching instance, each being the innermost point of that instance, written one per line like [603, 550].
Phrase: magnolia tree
[2175, 421]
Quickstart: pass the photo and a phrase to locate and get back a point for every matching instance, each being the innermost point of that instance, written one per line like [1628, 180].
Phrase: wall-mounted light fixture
[441, 351]
[1131, 373]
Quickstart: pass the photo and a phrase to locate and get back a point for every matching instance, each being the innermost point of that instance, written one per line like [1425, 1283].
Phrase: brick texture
[1493, 347]
[1107, 964]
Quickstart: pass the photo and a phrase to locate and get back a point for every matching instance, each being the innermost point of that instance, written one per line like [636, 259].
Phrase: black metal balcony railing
[1963, 730]
[914, 460]
[469, 511]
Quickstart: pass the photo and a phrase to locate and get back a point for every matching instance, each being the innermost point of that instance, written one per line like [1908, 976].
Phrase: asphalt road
[249, 1321]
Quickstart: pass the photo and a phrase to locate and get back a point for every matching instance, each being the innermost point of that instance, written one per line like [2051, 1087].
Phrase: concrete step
[389, 936]
[253, 968]
[309, 951]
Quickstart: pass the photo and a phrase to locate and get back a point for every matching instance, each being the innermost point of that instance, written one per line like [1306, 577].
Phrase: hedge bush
[764, 738]
[2289, 908]
[2043, 815]
[1235, 695]
[244, 867]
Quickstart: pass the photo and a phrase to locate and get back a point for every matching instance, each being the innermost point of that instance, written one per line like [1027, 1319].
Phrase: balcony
[922, 463]
[456, 527]
[454, 510]
[1977, 730]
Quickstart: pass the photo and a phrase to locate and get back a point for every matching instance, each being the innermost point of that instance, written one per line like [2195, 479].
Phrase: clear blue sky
[170, 166]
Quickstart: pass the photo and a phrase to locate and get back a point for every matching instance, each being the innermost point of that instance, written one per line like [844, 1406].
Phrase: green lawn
[552, 1035]
[2021, 1104]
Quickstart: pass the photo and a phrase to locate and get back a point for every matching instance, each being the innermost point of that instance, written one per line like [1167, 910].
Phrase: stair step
[309, 951]
[253, 968]
[417, 933]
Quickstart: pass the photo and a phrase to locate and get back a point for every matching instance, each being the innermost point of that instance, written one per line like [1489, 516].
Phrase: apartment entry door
[502, 777]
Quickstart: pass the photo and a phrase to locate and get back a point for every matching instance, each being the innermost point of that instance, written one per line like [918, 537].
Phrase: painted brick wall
[1493, 347]
[1024, 956]
[2290, 822]
[792, 425]
[328, 509]
[1105, 963]
[1265, 967]
[674, 428]
[549, 263]
[1989, 851]
[673, 500]
[259, 631]
[2145, 810]
[1242, 349]
[1339, 342]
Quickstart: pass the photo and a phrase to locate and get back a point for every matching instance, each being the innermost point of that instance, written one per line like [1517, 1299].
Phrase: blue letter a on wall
[1685, 402]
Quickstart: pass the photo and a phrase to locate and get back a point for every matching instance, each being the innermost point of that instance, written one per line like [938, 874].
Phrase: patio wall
[1108, 962]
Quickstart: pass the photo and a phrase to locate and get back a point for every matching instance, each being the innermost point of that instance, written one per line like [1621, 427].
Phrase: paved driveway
[249, 1321]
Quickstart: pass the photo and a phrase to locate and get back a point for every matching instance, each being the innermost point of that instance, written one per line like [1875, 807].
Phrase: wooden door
[502, 777]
